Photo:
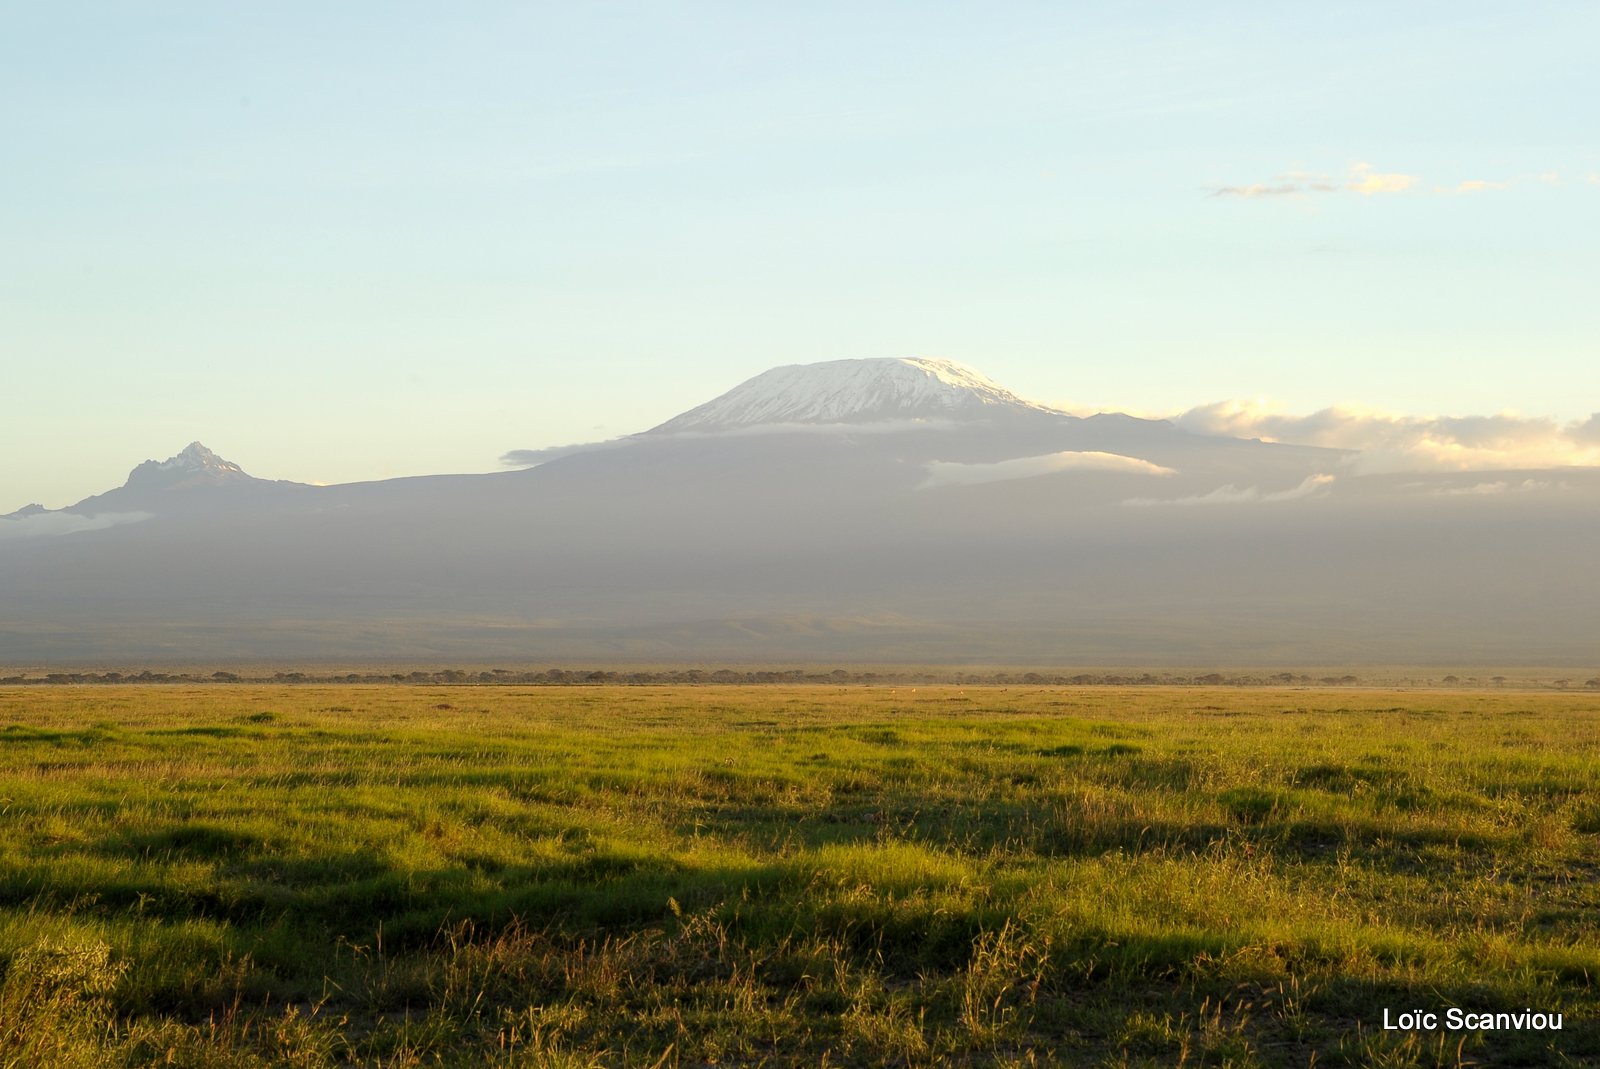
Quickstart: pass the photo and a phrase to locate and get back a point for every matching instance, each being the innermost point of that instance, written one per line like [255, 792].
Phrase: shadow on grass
[294, 922]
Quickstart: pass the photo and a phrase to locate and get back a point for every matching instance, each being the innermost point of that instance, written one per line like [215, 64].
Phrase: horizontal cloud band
[1389, 442]
[951, 473]
[1311, 486]
[48, 524]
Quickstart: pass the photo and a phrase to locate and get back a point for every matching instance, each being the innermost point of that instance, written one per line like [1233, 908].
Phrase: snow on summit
[195, 459]
[853, 391]
[195, 466]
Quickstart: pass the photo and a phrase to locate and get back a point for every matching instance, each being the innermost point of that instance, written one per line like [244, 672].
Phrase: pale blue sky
[356, 240]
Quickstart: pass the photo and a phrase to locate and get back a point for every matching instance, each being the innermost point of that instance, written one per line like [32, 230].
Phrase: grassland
[394, 876]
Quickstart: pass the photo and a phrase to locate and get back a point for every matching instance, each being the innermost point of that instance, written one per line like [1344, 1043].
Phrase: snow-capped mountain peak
[854, 391]
[195, 464]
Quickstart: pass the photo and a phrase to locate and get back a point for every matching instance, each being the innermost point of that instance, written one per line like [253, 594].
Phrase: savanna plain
[396, 876]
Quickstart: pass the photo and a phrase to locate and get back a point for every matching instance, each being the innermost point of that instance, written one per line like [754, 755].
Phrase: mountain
[877, 425]
[193, 479]
[194, 466]
[866, 511]
[855, 392]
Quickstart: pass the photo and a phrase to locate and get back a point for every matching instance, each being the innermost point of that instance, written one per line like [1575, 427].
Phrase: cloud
[1366, 181]
[1361, 178]
[1311, 486]
[1499, 487]
[529, 458]
[532, 458]
[1390, 442]
[1282, 187]
[1485, 185]
[951, 473]
[50, 524]
[1291, 183]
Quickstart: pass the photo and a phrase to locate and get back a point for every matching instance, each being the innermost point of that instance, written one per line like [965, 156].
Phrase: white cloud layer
[1390, 442]
[49, 524]
[950, 473]
[529, 458]
[1500, 486]
[1311, 486]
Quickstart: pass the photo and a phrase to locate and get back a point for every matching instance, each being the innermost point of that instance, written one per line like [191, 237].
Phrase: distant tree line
[726, 676]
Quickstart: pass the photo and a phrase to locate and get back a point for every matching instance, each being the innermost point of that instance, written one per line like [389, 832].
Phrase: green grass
[397, 876]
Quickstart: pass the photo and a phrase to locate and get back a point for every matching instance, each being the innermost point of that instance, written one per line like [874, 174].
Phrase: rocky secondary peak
[854, 391]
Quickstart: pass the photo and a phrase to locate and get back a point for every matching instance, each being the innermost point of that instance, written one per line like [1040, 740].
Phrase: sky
[358, 240]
